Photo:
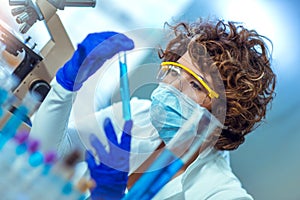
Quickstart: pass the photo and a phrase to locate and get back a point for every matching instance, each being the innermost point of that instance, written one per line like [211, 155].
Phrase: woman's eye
[195, 85]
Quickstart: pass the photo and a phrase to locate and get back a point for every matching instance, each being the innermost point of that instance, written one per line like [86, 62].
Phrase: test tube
[61, 174]
[17, 118]
[124, 87]
[9, 174]
[7, 82]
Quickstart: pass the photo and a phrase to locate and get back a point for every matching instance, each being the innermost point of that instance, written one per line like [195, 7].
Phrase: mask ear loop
[180, 82]
[203, 104]
[178, 78]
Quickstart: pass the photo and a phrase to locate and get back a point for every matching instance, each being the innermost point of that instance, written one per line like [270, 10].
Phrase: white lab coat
[209, 178]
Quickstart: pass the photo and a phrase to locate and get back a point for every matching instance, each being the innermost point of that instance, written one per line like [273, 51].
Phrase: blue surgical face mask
[170, 109]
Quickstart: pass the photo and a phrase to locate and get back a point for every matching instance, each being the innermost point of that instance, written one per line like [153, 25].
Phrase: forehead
[187, 61]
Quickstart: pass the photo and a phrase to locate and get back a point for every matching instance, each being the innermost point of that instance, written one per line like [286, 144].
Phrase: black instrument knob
[41, 88]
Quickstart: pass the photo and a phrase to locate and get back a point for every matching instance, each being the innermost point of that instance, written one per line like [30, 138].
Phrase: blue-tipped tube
[11, 126]
[17, 118]
[3, 97]
[124, 88]
[159, 174]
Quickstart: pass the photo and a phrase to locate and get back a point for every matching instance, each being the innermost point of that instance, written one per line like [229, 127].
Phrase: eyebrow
[197, 73]
[201, 77]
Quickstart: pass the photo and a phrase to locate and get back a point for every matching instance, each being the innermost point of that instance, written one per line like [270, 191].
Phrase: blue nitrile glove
[111, 174]
[90, 55]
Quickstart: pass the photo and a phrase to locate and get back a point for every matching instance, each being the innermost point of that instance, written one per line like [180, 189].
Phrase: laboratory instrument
[34, 69]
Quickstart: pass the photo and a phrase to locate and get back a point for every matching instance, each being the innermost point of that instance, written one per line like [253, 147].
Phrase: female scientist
[207, 63]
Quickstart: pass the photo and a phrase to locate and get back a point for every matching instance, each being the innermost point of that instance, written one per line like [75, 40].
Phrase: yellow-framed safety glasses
[211, 93]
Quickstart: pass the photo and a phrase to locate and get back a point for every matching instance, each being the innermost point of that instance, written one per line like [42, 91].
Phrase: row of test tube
[26, 172]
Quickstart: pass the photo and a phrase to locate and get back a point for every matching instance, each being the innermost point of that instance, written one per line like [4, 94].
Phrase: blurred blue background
[268, 163]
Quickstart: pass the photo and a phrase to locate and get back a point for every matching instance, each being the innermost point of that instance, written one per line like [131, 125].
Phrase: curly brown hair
[242, 60]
